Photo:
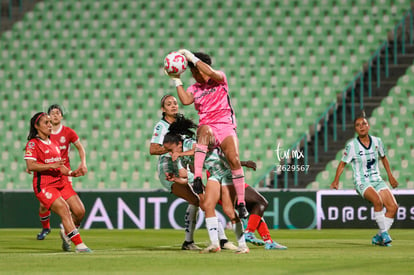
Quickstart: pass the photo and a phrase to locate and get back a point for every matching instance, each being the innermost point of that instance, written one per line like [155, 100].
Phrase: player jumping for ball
[217, 121]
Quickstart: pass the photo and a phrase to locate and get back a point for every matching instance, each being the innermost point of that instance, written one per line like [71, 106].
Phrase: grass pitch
[158, 252]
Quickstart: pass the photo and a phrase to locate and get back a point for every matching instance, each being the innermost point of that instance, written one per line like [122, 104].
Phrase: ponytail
[34, 121]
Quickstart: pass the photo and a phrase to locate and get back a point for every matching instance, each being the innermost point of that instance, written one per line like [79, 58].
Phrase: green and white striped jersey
[364, 160]
[215, 161]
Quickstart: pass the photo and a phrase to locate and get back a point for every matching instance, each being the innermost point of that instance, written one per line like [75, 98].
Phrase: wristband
[70, 173]
[178, 82]
[194, 60]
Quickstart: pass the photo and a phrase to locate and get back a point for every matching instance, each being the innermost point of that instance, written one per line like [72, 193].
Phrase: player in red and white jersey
[64, 137]
[43, 158]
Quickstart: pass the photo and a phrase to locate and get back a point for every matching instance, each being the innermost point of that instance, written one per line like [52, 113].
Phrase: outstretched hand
[250, 164]
[188, 55]
[175, 78]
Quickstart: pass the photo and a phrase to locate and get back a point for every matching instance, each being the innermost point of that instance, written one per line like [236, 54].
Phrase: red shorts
[49, 194]
[66, 179]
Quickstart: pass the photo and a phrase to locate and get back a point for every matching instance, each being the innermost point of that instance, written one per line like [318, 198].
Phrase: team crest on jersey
[31, 145]
[47, 194]
[62, 139]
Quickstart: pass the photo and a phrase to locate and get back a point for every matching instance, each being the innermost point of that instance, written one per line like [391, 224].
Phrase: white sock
[238, 231]
[190, 222]
[212, 229]
[221, 233]
[380, 219]
[388, 223]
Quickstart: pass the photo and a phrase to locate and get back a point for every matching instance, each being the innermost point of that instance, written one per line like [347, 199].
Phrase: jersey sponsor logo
[370, 163]
[52, 160]
[204, 93]
[28, 153]
[62, 139]
[62, 148]
[47, 152]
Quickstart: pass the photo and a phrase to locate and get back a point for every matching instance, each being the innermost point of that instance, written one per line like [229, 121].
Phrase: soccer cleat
[189, 246]
[211, 249]
[241, 209]
[274, 246]
[376, 240]
[226, 245]
[65, 240]
[243, 250]
[198, 185]
[42, 235]
[386, 238]
[251, 238]
[83, 250]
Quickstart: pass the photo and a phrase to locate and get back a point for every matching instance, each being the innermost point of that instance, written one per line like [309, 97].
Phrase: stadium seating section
[102, 60]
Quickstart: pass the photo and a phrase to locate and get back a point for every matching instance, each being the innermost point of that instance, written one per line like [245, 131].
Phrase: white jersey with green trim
[215, 161]
[364, 160]
[186, 161]
[160, 130]
[158, 134]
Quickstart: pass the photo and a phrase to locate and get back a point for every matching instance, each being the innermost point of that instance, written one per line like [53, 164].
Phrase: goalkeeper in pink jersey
[217, 122]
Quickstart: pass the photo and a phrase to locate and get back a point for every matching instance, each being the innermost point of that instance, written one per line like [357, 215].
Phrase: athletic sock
[239, 185]
[388, 223]
[75, 237]
[253, 222]
[238, 231]
[199, 157]
[221, 233]
[45, 219]
[380, 219]
[212, 229]
[264, 231]
[190, 219]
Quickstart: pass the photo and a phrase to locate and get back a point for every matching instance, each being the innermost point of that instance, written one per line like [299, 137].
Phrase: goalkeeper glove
[175, 78]
[189, 55]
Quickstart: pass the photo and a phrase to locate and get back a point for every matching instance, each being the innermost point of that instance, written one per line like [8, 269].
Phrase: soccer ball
[175, 63]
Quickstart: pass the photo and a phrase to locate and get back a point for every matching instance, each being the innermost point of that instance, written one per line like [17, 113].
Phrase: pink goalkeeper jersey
[212, 102]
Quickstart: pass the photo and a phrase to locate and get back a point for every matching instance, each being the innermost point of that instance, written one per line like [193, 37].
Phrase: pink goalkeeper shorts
[221, 131]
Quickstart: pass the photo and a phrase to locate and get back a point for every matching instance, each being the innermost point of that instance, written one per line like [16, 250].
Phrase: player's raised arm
[175, 63]
[201, 66]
